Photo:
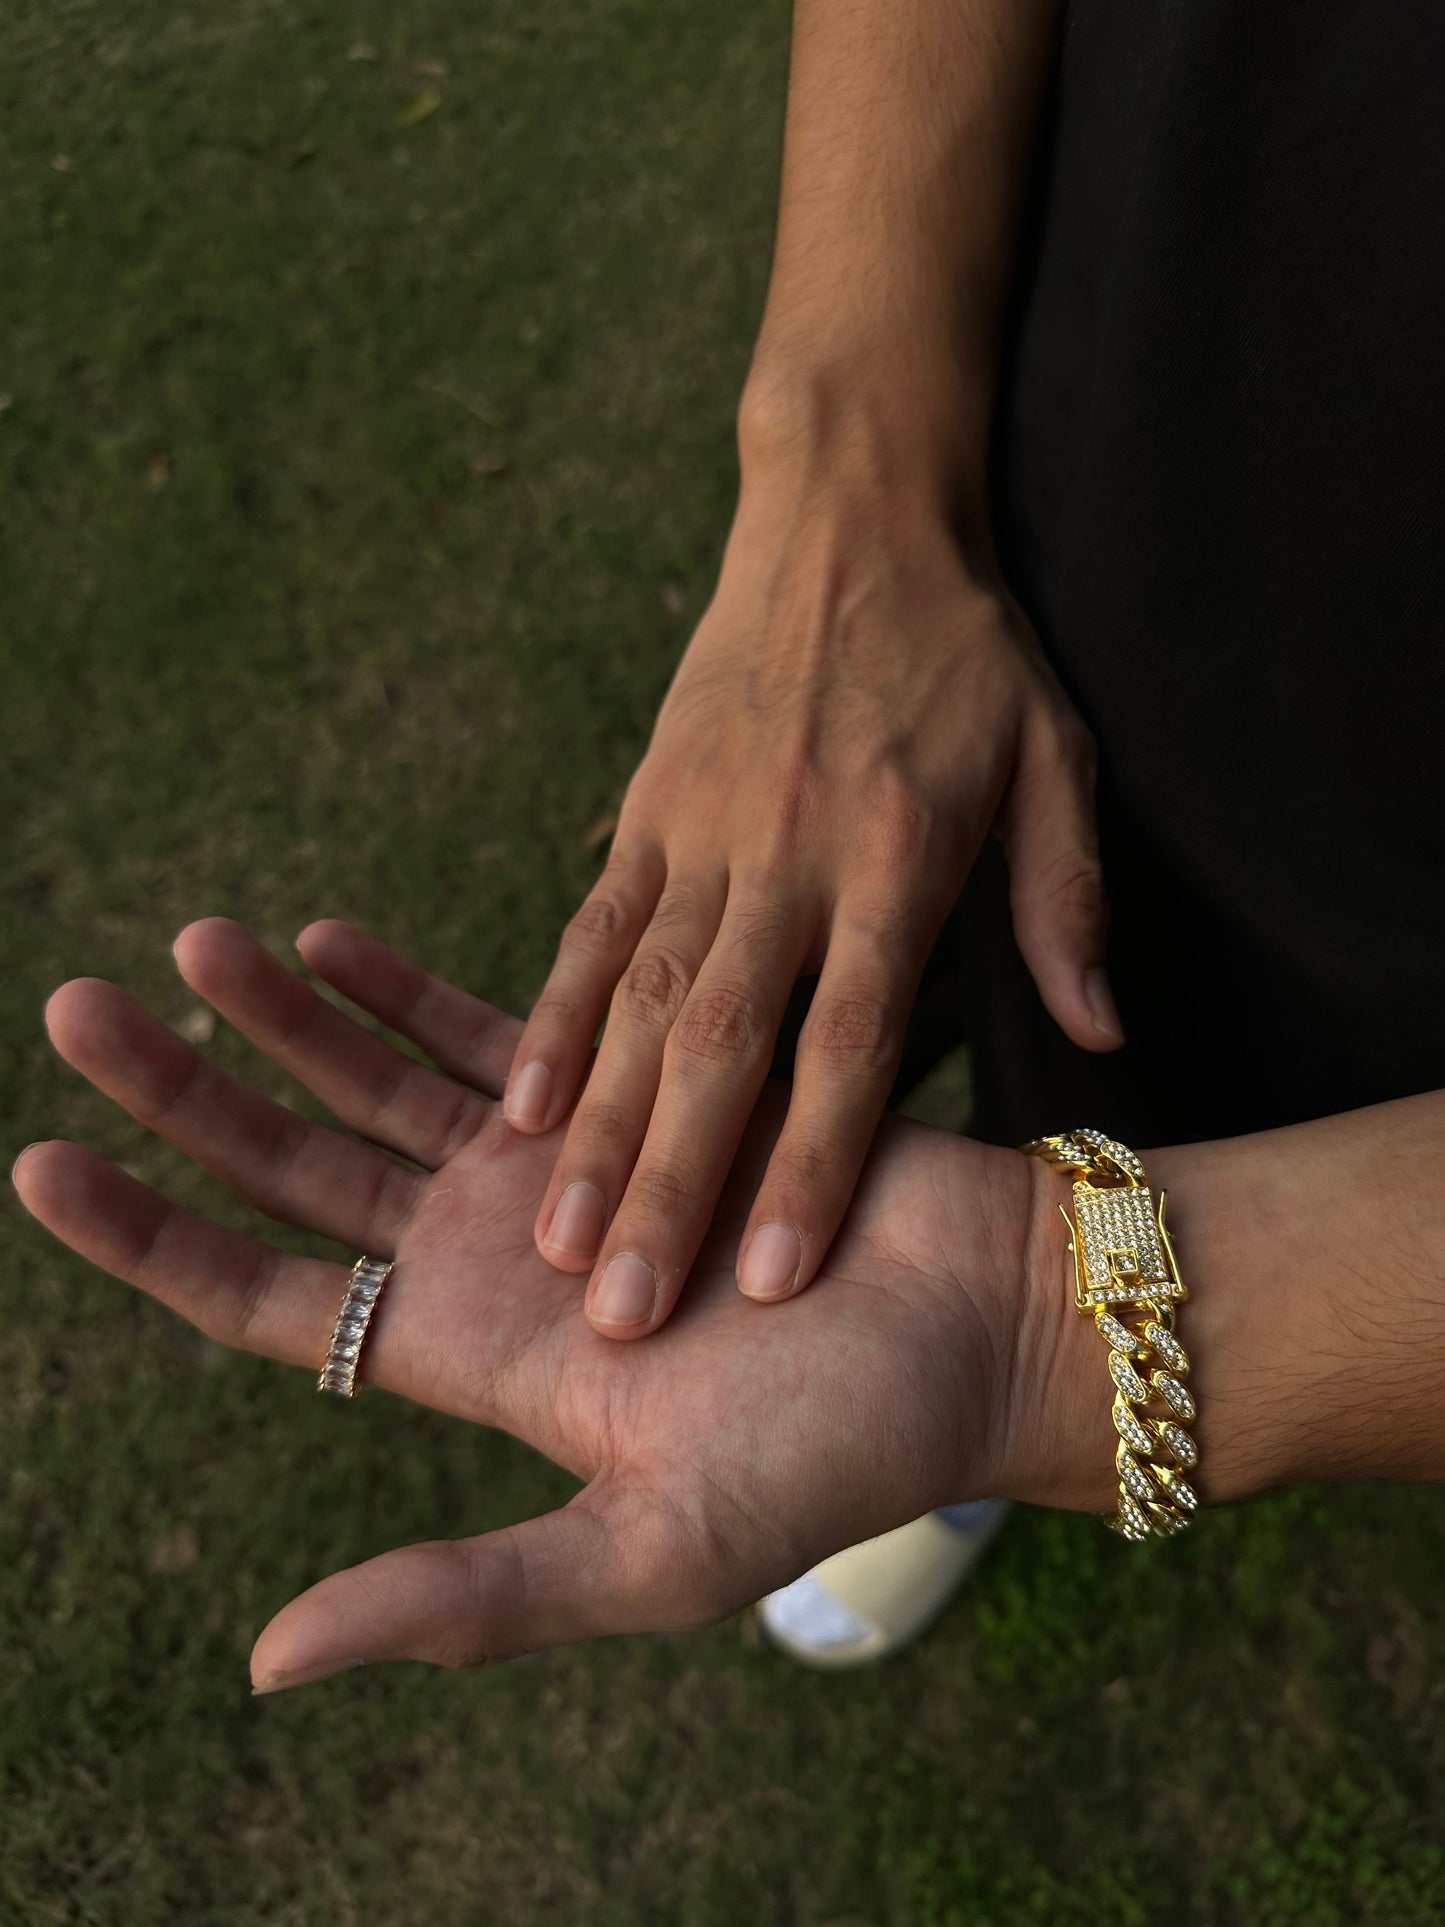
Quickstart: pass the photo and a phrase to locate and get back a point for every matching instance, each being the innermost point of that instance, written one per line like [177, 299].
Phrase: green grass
[365, 460]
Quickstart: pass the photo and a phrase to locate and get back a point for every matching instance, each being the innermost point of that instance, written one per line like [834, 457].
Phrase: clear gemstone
[1166, 1523]
[1130, 1428]
[1134, 1476]
[1167, 1346]
[1133, 1520]
[1126, 1378]
[1119, 1336]
[1168, 1387]
[1180, 1492]
[1178, 1442]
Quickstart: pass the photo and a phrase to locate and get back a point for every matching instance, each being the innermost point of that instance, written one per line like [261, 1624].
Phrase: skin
[718, 1462]
[944, 1361]
[861, 704]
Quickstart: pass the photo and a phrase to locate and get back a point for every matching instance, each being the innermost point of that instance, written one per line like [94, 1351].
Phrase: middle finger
[716, 1061]
[294, 1170]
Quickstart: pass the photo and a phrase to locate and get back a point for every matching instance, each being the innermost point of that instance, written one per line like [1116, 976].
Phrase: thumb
[463, 1602]
[1060, 908]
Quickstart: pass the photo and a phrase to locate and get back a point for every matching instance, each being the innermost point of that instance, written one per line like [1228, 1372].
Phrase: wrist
[1245, 1382]
[1059, 1438]
[968, 1208]
[1317, 1299]
[903, 433]
[1312, 1260]
[1303, 1323]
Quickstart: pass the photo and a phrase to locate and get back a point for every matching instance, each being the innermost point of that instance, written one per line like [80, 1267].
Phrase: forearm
[1315, 1262]
[859, 704]
[908, 132]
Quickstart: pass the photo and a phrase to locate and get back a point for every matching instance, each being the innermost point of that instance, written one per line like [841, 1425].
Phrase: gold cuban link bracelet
[1126, 1279]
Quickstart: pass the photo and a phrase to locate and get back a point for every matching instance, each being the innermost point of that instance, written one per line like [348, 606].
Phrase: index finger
[595, 949]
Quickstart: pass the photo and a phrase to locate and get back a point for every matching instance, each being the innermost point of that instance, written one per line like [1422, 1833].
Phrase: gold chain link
[1126, 1278]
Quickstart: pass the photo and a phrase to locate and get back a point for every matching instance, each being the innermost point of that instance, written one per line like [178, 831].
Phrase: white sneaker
[872, 1600]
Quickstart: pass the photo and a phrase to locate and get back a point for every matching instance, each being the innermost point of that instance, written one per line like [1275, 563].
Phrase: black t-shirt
[1220, 493]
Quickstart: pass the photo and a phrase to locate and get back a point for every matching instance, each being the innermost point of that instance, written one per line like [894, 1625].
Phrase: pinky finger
[235, 1289]
[846, 1062]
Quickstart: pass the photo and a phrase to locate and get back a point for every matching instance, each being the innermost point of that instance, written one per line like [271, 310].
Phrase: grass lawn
[365, 457]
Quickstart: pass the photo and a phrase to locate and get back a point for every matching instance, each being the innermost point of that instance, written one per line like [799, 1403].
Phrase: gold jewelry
[363, 1288]
[1126, 1279]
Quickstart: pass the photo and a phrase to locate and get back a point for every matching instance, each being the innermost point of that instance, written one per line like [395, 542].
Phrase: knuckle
[653, 988]
[900, 843]
[1061, 743]
[903, 824]
[600, 1127]
[760, 921]
[904, 805]
[679, 908]
[793, 812]
[1068, 888]
[886, 928]
[647, 791]
[722, 1024]
[598, 926]
[773, 869]
[555, 1010]
[857, 1027]
[468, 1641]
[660, 1193]
[803, 1170]
[894, 854]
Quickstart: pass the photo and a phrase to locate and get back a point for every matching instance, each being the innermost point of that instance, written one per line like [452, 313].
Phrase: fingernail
[529, 1095]
[1102, 1008]
[304, 1675]
[771, 1261]
[626, 1292]
[577, 1219]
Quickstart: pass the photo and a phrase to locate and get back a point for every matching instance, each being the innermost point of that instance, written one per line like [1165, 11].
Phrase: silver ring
[363, 1288]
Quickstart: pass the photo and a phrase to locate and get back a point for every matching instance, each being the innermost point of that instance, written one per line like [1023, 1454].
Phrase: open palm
[722, 1456]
